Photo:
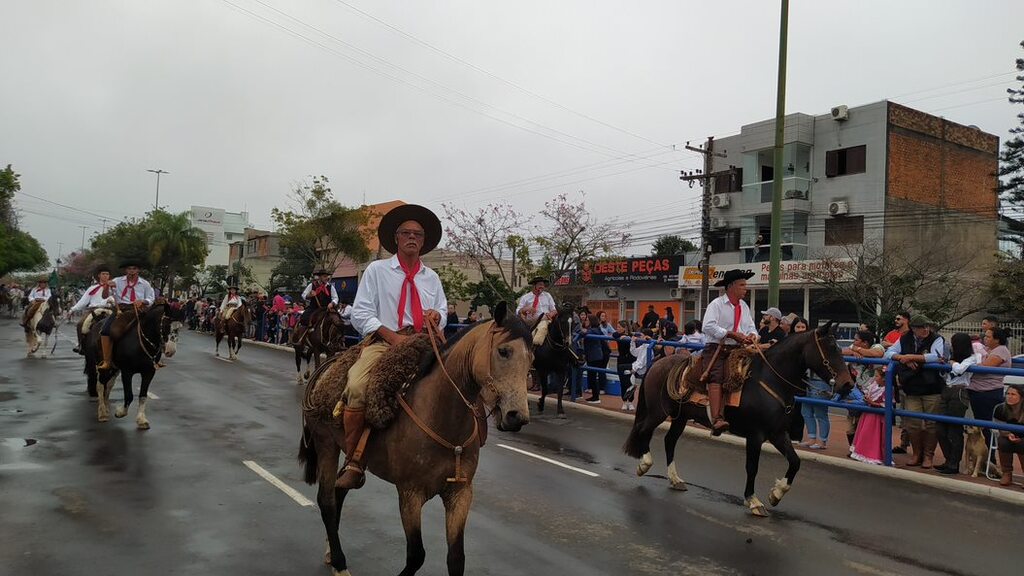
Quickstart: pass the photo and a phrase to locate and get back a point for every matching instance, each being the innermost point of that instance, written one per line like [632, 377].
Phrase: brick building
[881, 174]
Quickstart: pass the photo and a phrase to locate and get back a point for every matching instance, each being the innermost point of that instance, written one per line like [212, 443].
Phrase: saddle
[688, 379]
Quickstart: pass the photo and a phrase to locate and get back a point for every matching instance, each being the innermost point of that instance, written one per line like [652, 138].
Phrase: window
[729, 181]
[725, 240]
[846, 161]
[845, 230]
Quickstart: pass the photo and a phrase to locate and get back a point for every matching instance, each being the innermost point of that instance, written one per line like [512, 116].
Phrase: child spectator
[867, 443]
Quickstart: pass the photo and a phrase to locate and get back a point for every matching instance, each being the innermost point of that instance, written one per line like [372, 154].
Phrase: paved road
[98, 499]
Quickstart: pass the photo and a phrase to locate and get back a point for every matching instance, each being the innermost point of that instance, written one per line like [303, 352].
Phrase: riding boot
[80, 349]
[928, 443]
[356, 433]
[718, 424]
[917, 445]
[1006, 467]
[108, 352]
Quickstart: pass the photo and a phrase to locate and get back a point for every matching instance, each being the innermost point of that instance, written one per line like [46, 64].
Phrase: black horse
[763, 412]
[154, 335]
[555, 356]
[325, 335]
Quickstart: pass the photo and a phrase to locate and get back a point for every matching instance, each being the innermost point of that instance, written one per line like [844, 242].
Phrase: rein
[143, 340]
[774, 394]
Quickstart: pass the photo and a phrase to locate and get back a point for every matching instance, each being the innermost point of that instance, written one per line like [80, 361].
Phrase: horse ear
[825, 328]
[501, 313]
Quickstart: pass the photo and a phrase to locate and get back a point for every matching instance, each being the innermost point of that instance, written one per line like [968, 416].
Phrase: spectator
[868, 443]
[902, 327]
[955, 401]
[922, 389]
[864, 346]
[453, 318]
[987, 323]
[863, 327]
[669, 332]
[801, 325]
[796, 421]
[985, 391]
[638, 347]
[261, 318]
[624, 363]
[1011, 411]
[578, 343]
[473, 317]
[284, 326]
[787, 323]
[597, 351]
[670, 316]
[606, 330]
[771, 332]
[650, 319]
[692, 335]
[190, 313]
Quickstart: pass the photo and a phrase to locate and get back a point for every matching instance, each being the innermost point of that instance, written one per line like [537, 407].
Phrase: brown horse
[234, 327]
[325, 335]
[490, 362]
[763, 413]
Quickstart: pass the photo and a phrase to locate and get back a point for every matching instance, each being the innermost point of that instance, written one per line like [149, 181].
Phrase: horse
[234, 327]
[44, 322]
[154, 333]
[325, 335]
[555, 356]
[8, 303]
[763, 412]
[490, 362]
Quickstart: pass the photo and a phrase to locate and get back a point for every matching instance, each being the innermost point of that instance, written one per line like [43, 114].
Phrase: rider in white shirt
[232, 300]
[132, 293]
[39, 296]
[98, 299]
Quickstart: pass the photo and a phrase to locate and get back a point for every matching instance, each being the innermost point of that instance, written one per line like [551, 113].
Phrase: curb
[1010, 496]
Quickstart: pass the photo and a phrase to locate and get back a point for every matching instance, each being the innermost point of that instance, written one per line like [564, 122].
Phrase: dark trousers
[260, 326]
[625, 382]
[597, 380]
[951, 436]
[983, 404]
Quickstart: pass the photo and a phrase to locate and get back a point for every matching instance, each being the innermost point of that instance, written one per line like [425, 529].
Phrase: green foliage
[9, 186]
[1011, 159]
[319, 231]
[1007, 288]
[489, 291]
[672, 245]
[19, 251]
[292, 271]
[455, 283]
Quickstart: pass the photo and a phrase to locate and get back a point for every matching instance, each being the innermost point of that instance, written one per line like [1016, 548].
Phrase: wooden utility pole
[704, 178]
[775, 256]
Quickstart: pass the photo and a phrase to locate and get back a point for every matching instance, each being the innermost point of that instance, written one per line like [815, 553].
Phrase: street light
[158, 172]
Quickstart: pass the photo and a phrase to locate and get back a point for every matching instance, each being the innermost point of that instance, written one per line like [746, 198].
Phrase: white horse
[41, 326]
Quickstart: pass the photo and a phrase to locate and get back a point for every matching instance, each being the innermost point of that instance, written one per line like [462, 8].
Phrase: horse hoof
[120, 412]
[644, 466]
[344, 572]
[680, 486]
[773, 500]
[94, 399]
[562, 415]
[144, 425]
[103, 419]
[756, 507]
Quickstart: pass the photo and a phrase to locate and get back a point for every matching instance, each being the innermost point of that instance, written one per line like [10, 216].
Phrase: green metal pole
[780, 131]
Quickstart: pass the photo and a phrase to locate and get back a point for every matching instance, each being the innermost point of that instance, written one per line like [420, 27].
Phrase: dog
[977, 450]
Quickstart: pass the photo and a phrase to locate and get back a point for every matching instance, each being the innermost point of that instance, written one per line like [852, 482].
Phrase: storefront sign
[791, 272]
[632, 271]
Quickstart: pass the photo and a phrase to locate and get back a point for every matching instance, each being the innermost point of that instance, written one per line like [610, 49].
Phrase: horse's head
[168, 318]
[823, 357]
[502, 358]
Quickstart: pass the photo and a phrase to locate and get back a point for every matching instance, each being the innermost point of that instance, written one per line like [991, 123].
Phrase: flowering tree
[571, 234]
[492, 239]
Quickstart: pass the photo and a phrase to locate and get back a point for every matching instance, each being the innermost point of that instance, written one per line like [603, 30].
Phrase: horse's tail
[639, 439]
[307, 455]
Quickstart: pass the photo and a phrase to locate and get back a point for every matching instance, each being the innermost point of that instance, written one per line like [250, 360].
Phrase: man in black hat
[98, 299]
[38, 297]
[132, 293]
[393, 294]
[537, 302]
[728, 324]
[231, 301]
[319, 294]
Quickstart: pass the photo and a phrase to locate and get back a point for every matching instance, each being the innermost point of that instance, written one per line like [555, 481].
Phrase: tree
[9, 186]
[489, 291]
[1011, 159]
[672, 245]
[292, 272]
[19, 251]
[491, 238]
[572, 235]
[455, 283]
[318, 231]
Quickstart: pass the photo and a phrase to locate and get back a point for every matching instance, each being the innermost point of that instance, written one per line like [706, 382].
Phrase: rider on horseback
[537, 303]
[232, 300]
[133, 294]
[319, 294]
[728, 324]
[383, 306]
[98, 300]
[36, 298]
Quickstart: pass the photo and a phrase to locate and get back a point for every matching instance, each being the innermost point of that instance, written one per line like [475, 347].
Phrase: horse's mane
[513, 324]
[793, 340]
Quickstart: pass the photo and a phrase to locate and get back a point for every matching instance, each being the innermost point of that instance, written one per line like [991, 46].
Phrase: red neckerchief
[414, 295]
[321, 289]
[737, 312]
[106, 290]
[129, 285]
[536, 300]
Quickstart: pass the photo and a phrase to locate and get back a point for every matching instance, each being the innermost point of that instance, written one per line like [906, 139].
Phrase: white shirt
[376, 302]
[720, 317]
[143, 291]
[90, 301]
[37, 294]
[235, 300]
[309, 290]
[545, 305]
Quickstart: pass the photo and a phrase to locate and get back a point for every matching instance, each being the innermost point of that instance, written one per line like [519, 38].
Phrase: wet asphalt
[81, 497]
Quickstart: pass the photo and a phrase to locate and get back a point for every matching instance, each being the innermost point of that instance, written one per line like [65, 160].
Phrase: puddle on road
[553, 445]
[18, 442]
[12, 411]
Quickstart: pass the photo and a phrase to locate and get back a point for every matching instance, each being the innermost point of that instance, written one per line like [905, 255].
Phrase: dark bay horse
[42, 324]
[763, 413]
[234, 328]
[489, 361]
[136, 352]
[325, 336]
[555, 357]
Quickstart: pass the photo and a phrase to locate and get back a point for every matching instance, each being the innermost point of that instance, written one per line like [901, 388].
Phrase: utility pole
[775, 256]
[60, 245]
[104, 220]
[704, 178]
[83, 237]
[158, 172]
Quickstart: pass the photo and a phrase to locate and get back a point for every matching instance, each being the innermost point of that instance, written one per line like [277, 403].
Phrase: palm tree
[174, 246]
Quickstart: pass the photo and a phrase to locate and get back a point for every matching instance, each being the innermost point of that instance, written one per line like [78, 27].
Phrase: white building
[221, 228]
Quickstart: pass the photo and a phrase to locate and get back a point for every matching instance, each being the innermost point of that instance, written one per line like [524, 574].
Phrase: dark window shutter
[831, 163]
[737, 180]
[856, 160]
[722, 183]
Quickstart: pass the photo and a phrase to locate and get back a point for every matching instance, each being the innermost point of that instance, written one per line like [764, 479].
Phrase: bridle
[824, 361]
[144, 340]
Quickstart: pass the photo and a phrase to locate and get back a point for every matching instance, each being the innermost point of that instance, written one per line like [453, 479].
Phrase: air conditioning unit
[675, 294]
[841, 113]
[838, 208]
[720, 201]
[718, 223]
[611, 292]
[795, 194]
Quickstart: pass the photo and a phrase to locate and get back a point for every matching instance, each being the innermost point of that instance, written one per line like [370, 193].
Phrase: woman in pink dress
[869, 439]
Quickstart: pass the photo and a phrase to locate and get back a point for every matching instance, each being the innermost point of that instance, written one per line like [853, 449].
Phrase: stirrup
[354, 468]
[718, 426]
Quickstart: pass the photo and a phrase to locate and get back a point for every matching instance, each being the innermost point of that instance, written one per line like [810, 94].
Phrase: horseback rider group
[132, 295]
[320, 295]
[393, 294]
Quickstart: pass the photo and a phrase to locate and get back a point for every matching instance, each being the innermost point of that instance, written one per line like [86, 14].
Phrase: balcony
[796, 194]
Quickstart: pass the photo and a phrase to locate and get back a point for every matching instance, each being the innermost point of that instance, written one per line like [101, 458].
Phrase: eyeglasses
[417, 234]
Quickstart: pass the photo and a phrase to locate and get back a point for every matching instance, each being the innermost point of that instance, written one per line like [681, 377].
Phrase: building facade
[260, 252]
[221, 228]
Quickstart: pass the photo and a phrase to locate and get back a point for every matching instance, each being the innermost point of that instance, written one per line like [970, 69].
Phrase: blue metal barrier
[889, 411]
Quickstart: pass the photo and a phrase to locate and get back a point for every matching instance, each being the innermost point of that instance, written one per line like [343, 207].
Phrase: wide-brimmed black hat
[101, 268]
[732, 276]
[131, 262]
[321, 272]
[42, 279]
[537, 279]
[393, 219]
[233, 287]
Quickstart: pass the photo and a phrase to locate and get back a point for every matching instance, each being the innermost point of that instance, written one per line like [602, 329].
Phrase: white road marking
[291, 492]
[152, 396]
[550, 461]
[222, 359]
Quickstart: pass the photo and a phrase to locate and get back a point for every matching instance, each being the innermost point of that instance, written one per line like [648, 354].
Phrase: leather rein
[774, 394]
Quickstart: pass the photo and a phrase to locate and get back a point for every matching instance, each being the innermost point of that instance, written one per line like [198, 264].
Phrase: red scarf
[536, 300]
[737, 312]
[321, 289]
[414, 294]
[129, 285]
[106, 290]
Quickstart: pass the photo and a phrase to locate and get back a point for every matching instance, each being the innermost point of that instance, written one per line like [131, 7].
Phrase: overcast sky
[447, 100]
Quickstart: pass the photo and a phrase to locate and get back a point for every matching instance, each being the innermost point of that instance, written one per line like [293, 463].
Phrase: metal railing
[889, 410]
